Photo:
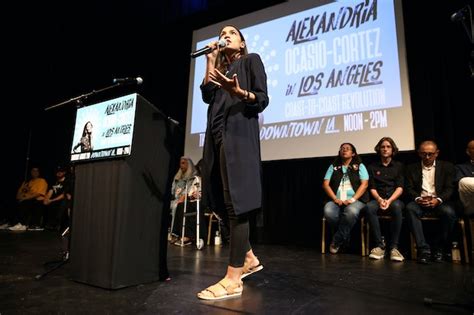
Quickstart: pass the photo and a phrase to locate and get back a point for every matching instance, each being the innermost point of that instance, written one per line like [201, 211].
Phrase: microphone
[173, 121]
[458, 15]
[207, 49]
[137, 80]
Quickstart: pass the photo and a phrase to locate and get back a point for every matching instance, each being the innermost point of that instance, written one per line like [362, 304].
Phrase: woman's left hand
[230, 85]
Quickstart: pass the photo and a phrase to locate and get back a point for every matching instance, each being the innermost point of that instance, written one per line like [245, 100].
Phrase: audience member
[430, 187]
[345, 184]
[235, 87]
[30, 197]
[56, 201]
[465, 180]
[180, 189]
[386, 186]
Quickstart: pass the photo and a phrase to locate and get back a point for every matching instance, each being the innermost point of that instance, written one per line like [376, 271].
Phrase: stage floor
[294, 281]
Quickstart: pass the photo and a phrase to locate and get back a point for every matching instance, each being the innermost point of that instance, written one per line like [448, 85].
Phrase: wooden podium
[119, 224]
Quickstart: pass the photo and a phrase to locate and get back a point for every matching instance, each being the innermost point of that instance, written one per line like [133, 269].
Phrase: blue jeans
[395, 210]
[447, 216]
[342, 219]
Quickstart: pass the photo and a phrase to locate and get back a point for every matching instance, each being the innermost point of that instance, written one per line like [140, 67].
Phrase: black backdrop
[56, 51]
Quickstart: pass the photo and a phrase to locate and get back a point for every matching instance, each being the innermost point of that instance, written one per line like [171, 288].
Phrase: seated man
[465, 180]
[30, 197]
[430, 187]
[386, 186]
[56, 201]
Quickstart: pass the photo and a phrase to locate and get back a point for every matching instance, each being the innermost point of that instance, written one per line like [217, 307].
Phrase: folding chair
[364, 250]
[213, 218]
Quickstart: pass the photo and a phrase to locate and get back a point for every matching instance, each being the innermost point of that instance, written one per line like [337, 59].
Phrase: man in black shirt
[56, 201]
[386, 186]
[429, 187]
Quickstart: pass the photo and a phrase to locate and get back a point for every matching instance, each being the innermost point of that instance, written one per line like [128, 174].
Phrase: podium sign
[104, 130]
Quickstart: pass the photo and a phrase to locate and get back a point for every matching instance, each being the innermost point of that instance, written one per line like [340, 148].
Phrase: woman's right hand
[213, 54]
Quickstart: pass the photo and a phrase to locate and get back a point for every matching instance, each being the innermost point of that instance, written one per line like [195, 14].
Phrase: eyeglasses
[427, 154]
[345, 149]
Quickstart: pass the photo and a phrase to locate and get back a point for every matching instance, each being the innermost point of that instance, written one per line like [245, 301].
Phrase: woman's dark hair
[84, 131]
[355, 159]
[389, 140]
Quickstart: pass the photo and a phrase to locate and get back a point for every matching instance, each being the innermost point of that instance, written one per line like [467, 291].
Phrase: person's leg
[466, 194]
[12, 216]
[28, 210]
[378, 251]
[178, 219]
[170, 219]
[63, 218]
[191, 222]
[448, 218]
[202, 224]
[414, 213]
[331, 213]
[23, 212]
[395, 211]
[239, 226]
[54, 214]
[231, 285]
[36, 214]
[373, 219]
[349, 217]
[18, 221]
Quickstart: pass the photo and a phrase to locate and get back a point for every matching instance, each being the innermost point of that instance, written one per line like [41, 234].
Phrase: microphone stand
[27, 163]
[430, 303]
[79, 99]
[469, 29]
[166, 117]
[56, 264]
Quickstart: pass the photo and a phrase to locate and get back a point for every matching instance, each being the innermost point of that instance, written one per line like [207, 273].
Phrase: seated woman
[345, 184]
[186, 190]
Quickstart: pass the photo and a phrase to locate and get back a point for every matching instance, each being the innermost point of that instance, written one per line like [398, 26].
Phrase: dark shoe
[424, 258]
[448, 256]
[438, 257]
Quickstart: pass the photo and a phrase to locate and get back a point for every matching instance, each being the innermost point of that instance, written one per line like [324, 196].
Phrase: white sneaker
[395, 255]
[18, 227]
[4, 226]
[377, 253]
